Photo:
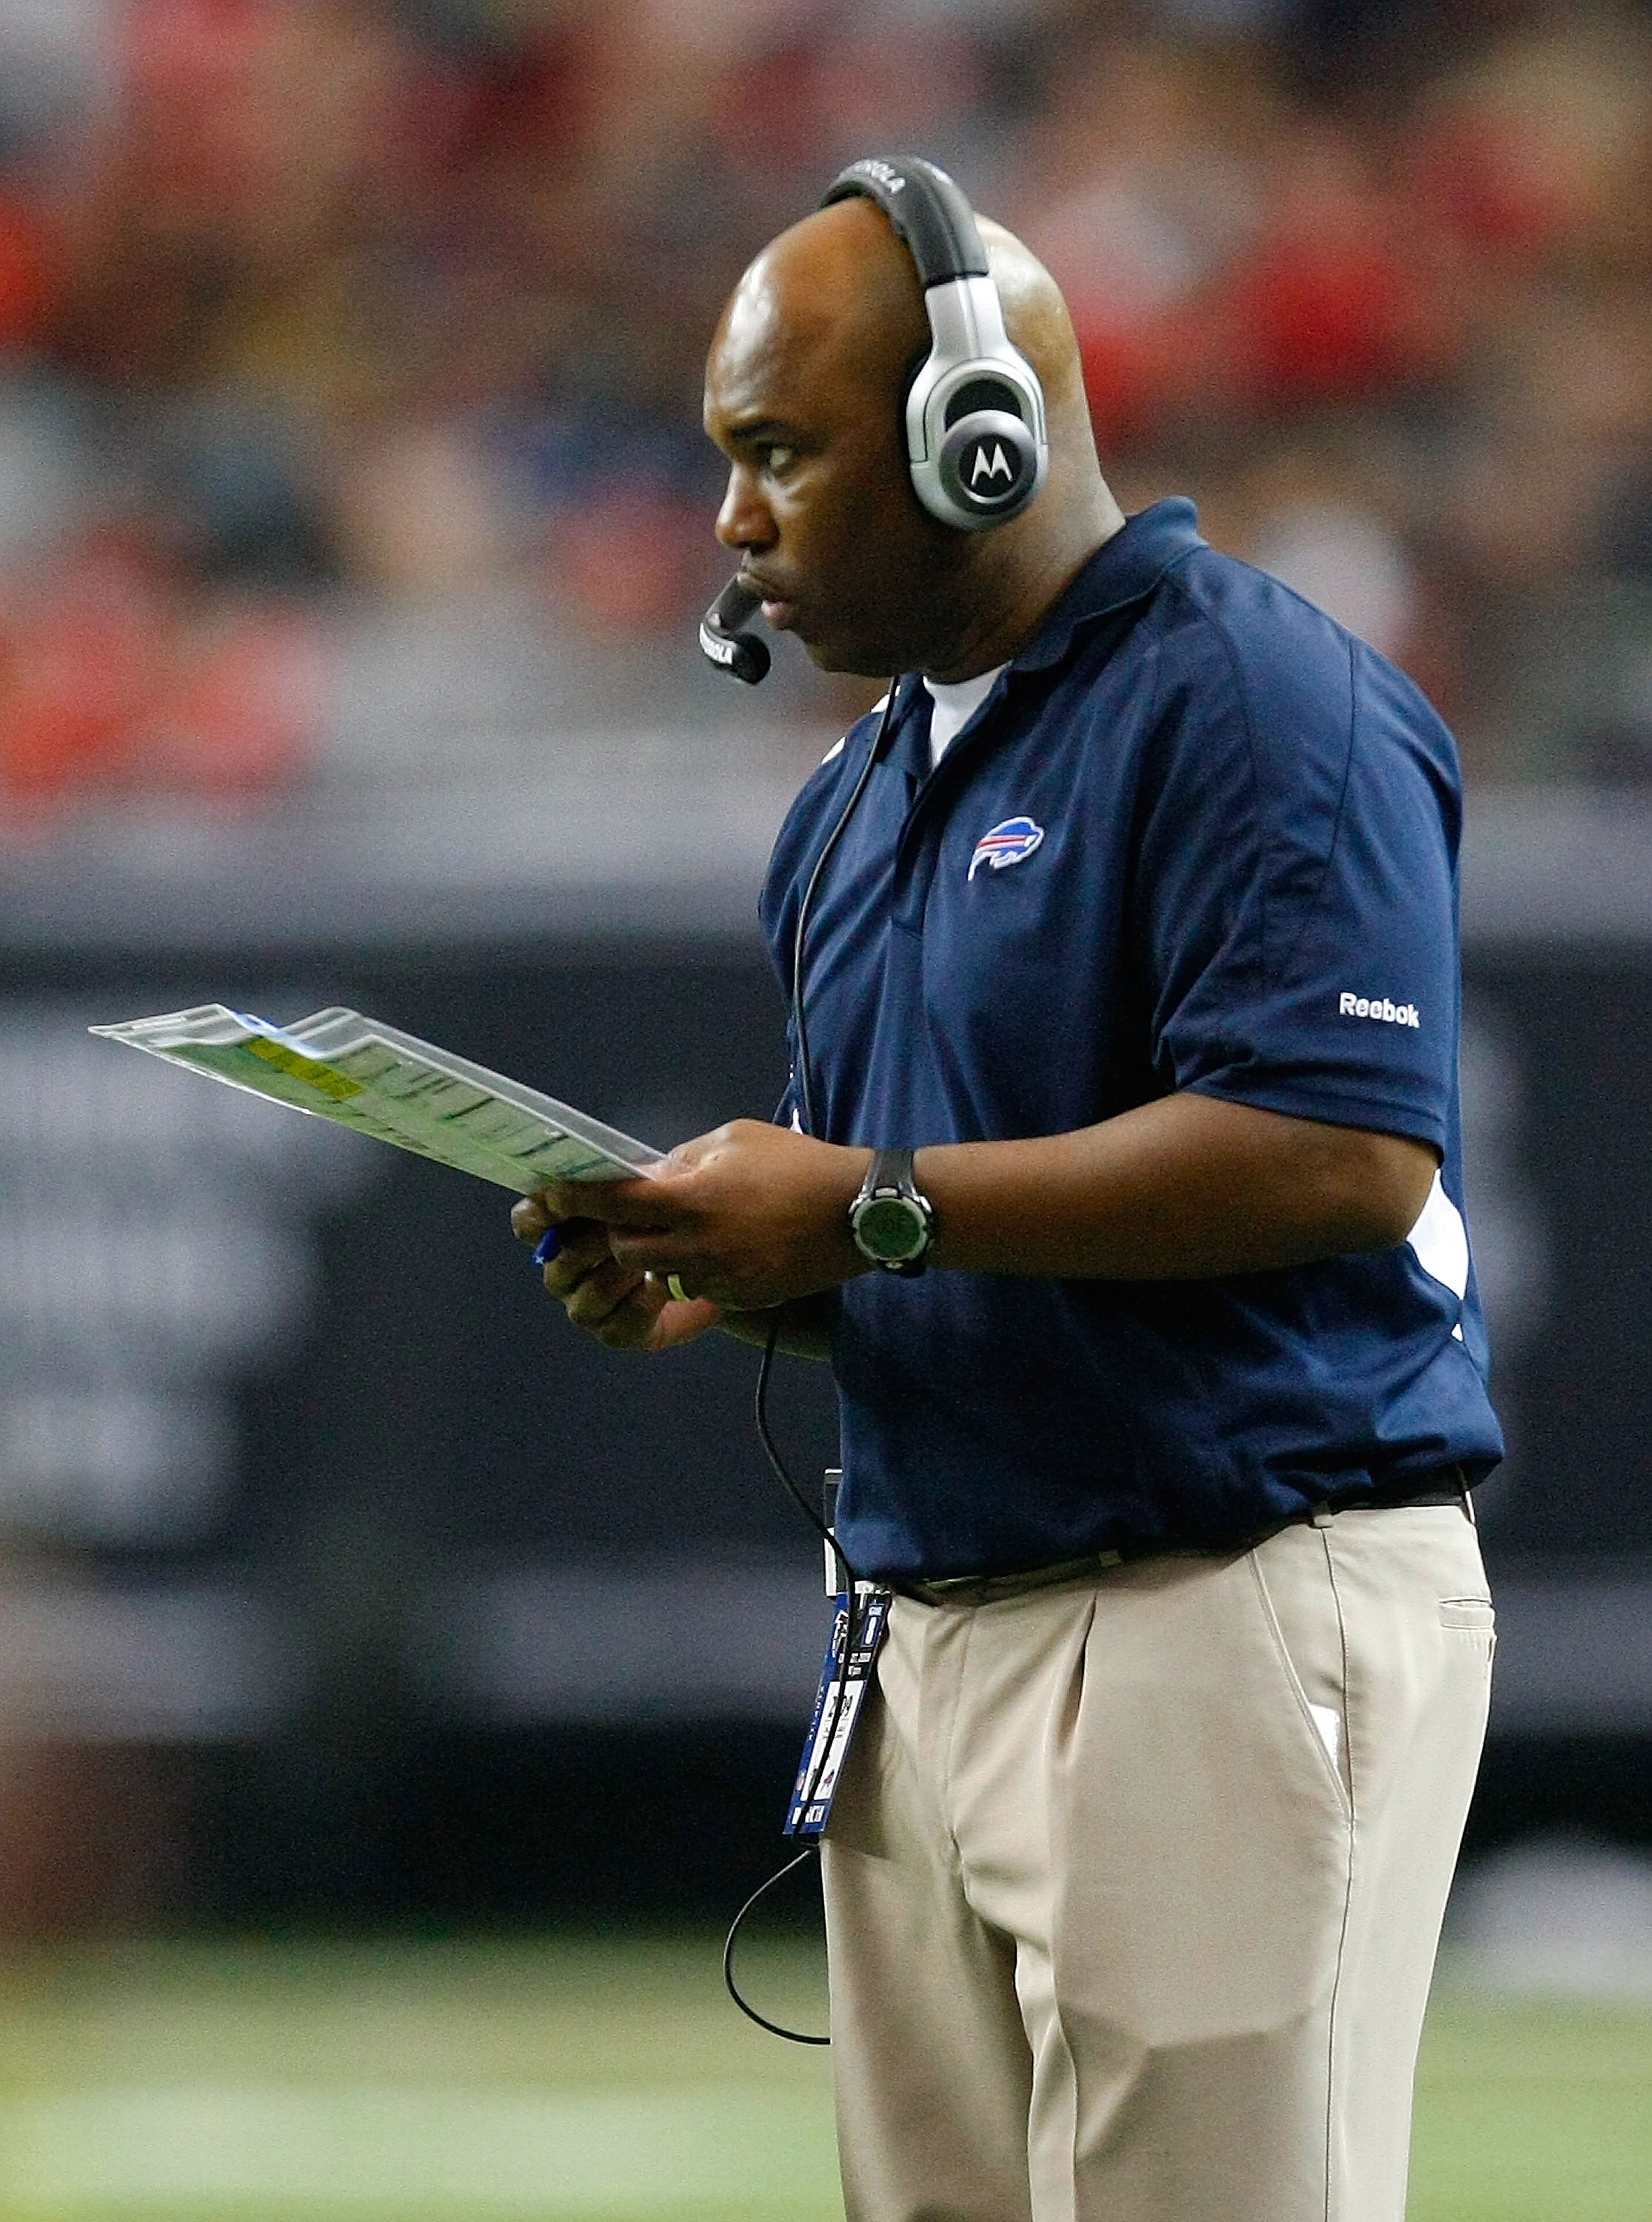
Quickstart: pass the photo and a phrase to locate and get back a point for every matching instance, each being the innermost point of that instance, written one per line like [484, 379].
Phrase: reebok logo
[1378, 1006]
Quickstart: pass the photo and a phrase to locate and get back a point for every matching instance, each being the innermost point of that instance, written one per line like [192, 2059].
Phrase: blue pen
[548, 1245]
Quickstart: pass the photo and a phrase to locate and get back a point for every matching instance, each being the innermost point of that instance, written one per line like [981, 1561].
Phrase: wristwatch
[892, 1220]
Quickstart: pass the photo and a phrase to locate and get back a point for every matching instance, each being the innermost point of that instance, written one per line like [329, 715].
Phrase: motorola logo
[988, 468]
[991, 469]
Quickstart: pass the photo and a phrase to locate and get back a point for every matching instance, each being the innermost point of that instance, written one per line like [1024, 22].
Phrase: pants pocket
[1472, 1618]
[1299, 1602]
[1467, 1612]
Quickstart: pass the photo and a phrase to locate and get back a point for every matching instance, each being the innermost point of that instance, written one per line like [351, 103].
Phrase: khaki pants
[1133, 1886]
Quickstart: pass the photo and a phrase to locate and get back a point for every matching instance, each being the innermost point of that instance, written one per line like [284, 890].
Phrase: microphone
[742, 655]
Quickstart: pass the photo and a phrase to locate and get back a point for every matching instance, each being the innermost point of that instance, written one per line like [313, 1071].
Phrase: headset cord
[852, 1621]
[774, 2028]
[834, 1706]
[806, 1084]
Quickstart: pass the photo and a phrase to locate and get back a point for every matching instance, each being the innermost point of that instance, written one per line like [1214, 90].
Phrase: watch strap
[890, 1173]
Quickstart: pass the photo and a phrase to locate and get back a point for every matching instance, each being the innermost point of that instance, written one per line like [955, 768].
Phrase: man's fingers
[640, 1203]
[629, 1311]
[602, 1291]
[649, 1249]
[532, 1217]
[686, 1155]
[680, 1322]
[589, 1229]
[529, 1218]
[582, 1247]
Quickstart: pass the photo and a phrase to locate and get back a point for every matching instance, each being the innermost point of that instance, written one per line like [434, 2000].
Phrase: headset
[976, 438]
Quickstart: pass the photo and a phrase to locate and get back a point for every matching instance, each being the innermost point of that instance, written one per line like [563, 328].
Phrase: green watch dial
[889, 1226]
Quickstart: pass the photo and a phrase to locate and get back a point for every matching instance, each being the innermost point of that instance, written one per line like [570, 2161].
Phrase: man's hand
[621, 1307]
[748, 1217]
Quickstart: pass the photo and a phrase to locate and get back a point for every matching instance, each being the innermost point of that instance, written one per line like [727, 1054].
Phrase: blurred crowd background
[350, 349]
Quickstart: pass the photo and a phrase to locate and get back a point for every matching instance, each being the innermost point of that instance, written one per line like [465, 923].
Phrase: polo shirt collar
[1123, 570]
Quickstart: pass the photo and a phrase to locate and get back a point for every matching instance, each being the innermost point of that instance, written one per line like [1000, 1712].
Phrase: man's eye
[779, 459]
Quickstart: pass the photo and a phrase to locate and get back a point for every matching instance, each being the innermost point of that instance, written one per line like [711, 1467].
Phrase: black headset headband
[925, 207]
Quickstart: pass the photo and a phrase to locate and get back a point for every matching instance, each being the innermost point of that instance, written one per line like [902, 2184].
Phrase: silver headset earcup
[988, 466]
[976, 442]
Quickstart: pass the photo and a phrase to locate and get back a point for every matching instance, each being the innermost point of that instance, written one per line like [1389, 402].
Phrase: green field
[611, 2081]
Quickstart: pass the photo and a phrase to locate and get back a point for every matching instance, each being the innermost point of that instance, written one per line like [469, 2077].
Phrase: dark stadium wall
[536, 1625]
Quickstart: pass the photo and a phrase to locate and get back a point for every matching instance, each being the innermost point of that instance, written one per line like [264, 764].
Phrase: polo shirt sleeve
[1295, 902]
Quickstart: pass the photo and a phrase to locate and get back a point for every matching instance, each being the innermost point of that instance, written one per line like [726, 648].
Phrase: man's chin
[852, 662]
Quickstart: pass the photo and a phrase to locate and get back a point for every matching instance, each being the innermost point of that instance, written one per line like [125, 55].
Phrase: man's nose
[744, 521]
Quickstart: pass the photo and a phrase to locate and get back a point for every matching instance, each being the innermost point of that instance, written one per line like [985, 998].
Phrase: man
[1143, 936]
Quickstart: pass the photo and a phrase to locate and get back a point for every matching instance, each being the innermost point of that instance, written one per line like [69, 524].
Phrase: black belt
[1446, 1484]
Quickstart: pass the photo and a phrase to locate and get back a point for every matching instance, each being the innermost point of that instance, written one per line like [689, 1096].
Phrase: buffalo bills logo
[1007, 844]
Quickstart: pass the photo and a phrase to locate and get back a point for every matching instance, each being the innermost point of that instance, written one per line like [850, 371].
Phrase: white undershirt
[954, 706]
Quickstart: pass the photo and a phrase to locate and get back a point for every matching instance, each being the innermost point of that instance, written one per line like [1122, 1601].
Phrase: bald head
[821, 336]
[841, 286]
[1035, 316]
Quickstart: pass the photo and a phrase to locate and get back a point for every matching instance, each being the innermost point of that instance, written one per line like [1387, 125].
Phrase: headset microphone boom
[742, 654]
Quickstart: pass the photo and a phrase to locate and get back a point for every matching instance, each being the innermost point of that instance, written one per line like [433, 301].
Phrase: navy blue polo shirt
[1196, 836]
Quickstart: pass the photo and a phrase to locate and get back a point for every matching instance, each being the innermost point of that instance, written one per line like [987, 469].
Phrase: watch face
[890, 1227]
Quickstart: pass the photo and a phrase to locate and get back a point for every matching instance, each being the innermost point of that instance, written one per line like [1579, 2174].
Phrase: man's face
[819, 506]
